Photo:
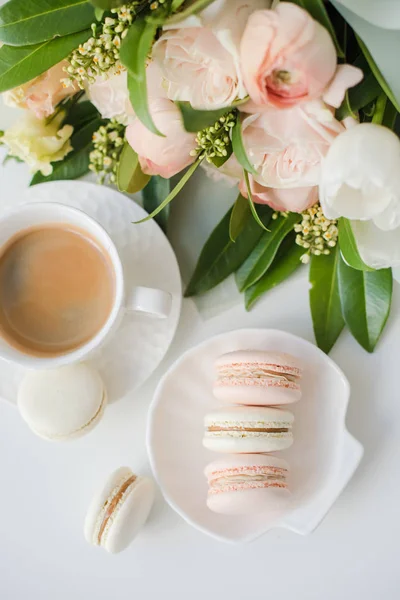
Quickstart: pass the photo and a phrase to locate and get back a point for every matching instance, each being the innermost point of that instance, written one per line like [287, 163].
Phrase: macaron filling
[246, 478]
[248, 429]
[111, 507]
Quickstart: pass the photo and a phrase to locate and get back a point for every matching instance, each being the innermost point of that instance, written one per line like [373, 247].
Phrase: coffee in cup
[57, 289]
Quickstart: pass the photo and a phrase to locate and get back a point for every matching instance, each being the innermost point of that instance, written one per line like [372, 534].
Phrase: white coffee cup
[153, 302]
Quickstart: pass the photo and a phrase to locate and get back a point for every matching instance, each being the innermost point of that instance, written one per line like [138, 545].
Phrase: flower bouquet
[281, 99]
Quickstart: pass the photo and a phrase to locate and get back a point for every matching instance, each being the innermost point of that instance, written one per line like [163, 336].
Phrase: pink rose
[286, 148]
[42, 94]
[200, 56]
[158, 155]
[287, 57]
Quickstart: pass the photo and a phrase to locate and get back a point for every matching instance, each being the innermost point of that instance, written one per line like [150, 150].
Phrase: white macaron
[248, 429]
[64, 403]
[119, 510]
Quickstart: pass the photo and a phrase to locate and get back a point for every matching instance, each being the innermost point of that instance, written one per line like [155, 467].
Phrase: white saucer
[141, 342]
[322, 459]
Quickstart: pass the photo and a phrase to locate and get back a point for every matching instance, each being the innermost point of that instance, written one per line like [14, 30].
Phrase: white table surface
[46, 488]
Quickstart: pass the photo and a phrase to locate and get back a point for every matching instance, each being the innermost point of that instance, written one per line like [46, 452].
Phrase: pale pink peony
[286, 148]
[200, 56]
[110, 95]
[42, 94]
[288, 58]
[158, 155]
[293, 200]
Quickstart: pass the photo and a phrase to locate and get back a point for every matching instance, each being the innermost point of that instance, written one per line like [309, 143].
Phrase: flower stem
[379, 109]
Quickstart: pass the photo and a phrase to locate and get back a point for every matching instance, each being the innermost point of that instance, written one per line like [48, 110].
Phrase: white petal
[385, 13]
[378, 249]
[360, 172]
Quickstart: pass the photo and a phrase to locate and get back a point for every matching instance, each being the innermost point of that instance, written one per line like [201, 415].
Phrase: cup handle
[153, 302]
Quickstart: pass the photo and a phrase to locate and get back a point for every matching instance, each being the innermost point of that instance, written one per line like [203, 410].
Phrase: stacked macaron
[258, 383]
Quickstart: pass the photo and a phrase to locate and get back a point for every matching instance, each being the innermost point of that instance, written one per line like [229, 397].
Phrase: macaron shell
[256, 395]
[100, 498]
[131, 516]
[247, 444]
[248, 501]
[62, 404]
[258, 460]
[241, 502]
[249, 414]
[268, 357]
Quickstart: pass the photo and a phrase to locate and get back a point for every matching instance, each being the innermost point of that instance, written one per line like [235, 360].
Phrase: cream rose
[38, 144]
[288, 58]
[42, 94]
[200, 58]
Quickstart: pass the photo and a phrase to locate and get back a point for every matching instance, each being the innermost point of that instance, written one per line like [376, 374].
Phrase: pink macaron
[247, 484]
[258, 378]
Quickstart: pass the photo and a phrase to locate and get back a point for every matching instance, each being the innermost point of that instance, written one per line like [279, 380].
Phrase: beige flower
[42, 94]
[39, 143]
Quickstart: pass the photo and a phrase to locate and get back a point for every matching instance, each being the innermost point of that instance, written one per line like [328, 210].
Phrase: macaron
[255, 377]
[119, 510]
[247, 484]
[64, 403]
[244, 429]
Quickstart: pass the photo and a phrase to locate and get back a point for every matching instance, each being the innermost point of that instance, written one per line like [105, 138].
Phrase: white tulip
[385, 13]
[360, 180]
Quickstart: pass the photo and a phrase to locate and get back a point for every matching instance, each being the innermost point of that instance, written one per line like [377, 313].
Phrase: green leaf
[359, 96]
[153, 194]
[318, 11]
[135, 49]
[98, 13]
[220, 256]
[348, 246]
[284, 264]
[130, 177]
[76, 163]
[239, 215]
[108, 4]
[324, 299]
[192, 9]
[365, 92]
[251, 203]
[378, 75]
[174, 192]
[346, 109]
[218, 161]
[239, 149]
[81, 113]
[195, 120]
[34, 21]
[365, 298]
[21, 64]
[264, 253]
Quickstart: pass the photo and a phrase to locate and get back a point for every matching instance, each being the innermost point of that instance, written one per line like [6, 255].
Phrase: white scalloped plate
[141, 342]
[323, 457]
